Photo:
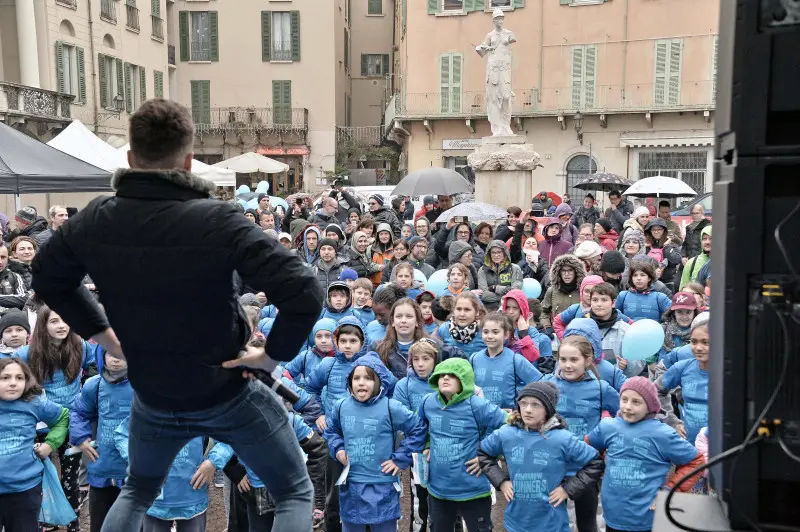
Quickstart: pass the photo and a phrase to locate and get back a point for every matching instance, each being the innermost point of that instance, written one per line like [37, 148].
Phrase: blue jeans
[254, 423]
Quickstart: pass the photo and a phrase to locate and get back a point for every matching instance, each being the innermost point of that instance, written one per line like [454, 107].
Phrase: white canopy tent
[219, 176]
[78, 141]
[250, 162]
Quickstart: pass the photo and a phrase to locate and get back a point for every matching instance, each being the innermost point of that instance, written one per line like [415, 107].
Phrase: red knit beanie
[644, 387]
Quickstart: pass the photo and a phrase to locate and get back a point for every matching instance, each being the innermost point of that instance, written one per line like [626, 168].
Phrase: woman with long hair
[58, 359]
[406, 326]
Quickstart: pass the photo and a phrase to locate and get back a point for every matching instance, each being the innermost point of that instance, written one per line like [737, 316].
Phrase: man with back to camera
[163, 255]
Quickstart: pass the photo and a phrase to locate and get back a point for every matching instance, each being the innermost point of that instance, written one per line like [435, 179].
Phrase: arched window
[577, 170]
[66, 29]
[108, 41]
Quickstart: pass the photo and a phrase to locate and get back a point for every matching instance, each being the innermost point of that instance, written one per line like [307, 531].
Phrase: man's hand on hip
[252, 357]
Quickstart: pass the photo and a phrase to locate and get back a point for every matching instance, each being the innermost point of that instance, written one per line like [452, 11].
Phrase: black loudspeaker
[755, 323]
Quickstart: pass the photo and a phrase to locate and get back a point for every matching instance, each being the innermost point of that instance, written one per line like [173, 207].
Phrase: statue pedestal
[503, 170]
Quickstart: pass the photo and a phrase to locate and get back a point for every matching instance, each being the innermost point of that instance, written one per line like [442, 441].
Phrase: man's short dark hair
[604, 289]
[160, 131]
[614, 192]
[267, 213]
[664, 203]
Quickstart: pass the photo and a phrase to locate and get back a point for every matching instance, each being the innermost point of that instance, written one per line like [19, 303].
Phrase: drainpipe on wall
[541, 49]
[93, 60]
[624, 50]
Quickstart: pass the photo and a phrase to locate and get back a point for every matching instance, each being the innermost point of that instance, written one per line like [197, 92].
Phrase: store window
[459, 164]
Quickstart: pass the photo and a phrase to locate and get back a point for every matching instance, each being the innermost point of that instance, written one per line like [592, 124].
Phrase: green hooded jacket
[695, 264]
[461, 369]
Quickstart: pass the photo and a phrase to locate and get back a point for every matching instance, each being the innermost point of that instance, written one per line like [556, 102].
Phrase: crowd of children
[476, 390]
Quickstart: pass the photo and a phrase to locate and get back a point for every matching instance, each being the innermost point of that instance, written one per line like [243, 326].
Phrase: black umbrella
[432, 181]
[604, 182]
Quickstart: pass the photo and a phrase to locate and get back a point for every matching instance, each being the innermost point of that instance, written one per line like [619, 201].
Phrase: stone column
[503, 166]
[28, 44]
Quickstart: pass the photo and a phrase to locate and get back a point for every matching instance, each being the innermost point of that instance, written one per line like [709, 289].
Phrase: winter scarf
[605, 324]
[463, 335]
[672, 329]
[114, 377]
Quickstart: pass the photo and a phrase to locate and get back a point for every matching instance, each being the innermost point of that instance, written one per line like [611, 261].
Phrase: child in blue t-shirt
[425, 302]
[538, 449]
[500, 372]
[321, 341]
[640, 450]
[361, 433]
[463, 328]
[22, 407]
[640, 301]
[405, 327]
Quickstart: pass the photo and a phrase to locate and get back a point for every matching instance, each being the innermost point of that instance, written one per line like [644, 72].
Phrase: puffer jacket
[670, 252]
[585, 216]
[553, 246]
[569, 231]
[444, 239]
[559, 297]
[692, 243]
[381, 254]
[360, 262]
[498, 280]
[385, 215]
[327, 273]
[457, 249]
[23, 270]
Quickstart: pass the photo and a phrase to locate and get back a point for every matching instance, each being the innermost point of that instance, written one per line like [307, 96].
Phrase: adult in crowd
[605, 234]
[498, 274]
[23, 249]
[408, 211]
[308, 250]
[543, 200]
[506, 230]
[351, 222]
[251, 215]
[326, 214]
[57, 215]
[297, 211]
[344, 200]
[419, 255]
[176, 239]
[619, 211]
[590, 253]
[673, 229]
[554, 245]
[13, 290]
[428, 204]
[267, 220]
[585, 233]
[566, 199]
[263, 203]
[637, 222]
[28, 223]
[384, 215]
[359, 256]
[444, 203]
[662, 248]
[693, 266]
[484, 234]
[569, 232]
[461, 232]
[612, 268]
[692, 244]
[586, 213]
[399, 207]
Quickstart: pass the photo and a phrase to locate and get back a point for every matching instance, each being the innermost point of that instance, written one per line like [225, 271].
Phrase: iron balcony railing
[131, 16]
[242, 119]
[200, 49]
[108, 10]
[158, 27]
[598, 99]
[281, 51]
[171, 54]
[368, 135]
[30, 102]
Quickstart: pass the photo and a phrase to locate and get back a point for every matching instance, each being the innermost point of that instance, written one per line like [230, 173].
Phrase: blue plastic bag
[56, 509]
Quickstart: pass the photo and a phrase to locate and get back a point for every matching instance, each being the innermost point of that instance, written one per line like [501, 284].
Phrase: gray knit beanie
[544, 391]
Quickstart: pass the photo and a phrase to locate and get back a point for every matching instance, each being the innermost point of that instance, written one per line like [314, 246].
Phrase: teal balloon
[252, 204]
[437, 282]
[242, 202]
[532, 288]
[243, 189]
[262, 187]
[642, 340]
[419, 276]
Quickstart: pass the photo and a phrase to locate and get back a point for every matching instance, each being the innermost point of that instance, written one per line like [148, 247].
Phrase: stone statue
[499, 96]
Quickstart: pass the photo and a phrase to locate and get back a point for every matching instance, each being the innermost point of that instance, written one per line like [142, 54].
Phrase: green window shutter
[346, 51]
[714, 61]
[469, 6]
[444, 83]
[433, 6]
[156, 7]
[128, 88]
[385, 64]
[374, 7]
[282, 101]
[143, 83]
[213, 25]
[120, 80]
[158, 84]
[60, 85]
[518, 3]
[589, 76]
[101, 62]
[480, 5]
[675, 62]
[456, 63]
[183, 30]
[295, 33]
[196, 99]
[266, 35]
[364, 65]
[80, 59]
[403, 14]
[201, 101]
[660, 69]
[565, 2]
[577, 76]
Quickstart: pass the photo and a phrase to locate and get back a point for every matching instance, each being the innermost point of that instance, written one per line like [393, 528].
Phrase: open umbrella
[432, 181]
[660, 186]
[604, 182]
[474, 212]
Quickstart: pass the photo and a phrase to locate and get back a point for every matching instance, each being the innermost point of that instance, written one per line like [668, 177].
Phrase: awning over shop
[667, 139]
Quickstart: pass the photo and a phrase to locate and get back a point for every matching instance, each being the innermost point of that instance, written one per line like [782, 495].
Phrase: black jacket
[618, 216]
[286, 224]
[386, 215]
[162, 255]
[39, 225]
[692, 245]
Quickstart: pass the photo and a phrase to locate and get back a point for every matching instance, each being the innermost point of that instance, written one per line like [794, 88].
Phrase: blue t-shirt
[375, 332]
[58, 389]
[20, 468]
[694, 388]
[581, 403]
[475, 345]
[411, 390]
[537, 464]
[502, 377]
[638, 458]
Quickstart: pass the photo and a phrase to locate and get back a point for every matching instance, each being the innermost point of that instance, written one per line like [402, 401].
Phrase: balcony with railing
[367, 135]
[68, 3]
[200, 49]
[131, 16]
[249, 119]
[34, 104]
[598, 99]
[281, 51]
[108, 10]
[157, 24]
[171, 54]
